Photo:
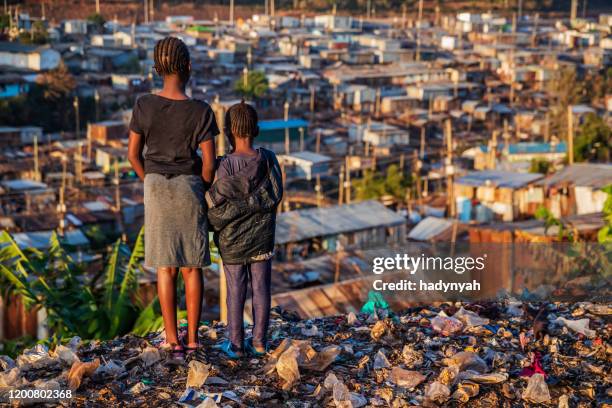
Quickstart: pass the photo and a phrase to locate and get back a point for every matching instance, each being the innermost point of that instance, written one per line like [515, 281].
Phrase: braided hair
[171, 56]
[241, 120]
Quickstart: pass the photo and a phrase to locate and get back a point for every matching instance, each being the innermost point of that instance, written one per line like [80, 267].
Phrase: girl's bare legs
[166, 291]
[193, 292]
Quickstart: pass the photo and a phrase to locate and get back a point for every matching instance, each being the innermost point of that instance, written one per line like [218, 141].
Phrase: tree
[256, 85]
[97, 20]
[36, 35]
[373, 186]
[542, 166]
[57, 83]
[566, 90]
[594, 140]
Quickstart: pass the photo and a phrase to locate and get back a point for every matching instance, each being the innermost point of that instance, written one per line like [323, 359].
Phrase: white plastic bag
[579, 326]
[406, 378]
[537, 390]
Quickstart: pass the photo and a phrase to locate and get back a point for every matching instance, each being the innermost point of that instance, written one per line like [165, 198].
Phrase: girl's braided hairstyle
[171, 56]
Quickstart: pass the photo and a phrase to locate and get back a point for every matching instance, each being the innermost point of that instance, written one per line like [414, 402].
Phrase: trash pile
[489, 354]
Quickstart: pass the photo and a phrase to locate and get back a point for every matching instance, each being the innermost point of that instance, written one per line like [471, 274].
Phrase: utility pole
[146, 11]
[77, 117]
[220, 114]
[61, 207]
[341, 185]
[78, 163]
[97, 101]
[287, 140]
[36, 164]
[89, 147]
[231, 11]
[318, 190]
[574, 10]
[98, 7]
[570, 135]
[418, 39]
[449, 168]
[301, 139]
[312, 102]
[245, 78]
[318, 142]
[422, 145]
[347, 182]
[493, 152]
[152, 11]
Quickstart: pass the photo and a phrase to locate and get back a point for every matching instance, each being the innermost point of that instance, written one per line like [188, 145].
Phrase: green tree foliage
[97, 20]
[255, 87]
[374, 186]
[75, 305]
[565, 90]
[48, 103]
[36, 35]
[605, 233]
[593, 141]
[5, 21]
[542, 166]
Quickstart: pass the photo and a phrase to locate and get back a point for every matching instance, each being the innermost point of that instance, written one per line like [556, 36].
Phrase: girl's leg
[166, 291]
[236, 278]
[193, 294]
[261, 273]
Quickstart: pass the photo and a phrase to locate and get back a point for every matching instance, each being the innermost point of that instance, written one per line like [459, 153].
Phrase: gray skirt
[176, 228]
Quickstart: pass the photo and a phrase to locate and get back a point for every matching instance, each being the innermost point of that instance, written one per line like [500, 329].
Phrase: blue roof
[282, 124]
[530, 148]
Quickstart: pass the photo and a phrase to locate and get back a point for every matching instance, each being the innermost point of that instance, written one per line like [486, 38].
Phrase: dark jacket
[242, 210]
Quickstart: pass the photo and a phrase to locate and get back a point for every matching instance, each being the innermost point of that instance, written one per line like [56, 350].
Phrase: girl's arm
[135, 146]
[208, 161]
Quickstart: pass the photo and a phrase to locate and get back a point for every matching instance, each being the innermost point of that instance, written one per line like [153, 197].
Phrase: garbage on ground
[410, 362]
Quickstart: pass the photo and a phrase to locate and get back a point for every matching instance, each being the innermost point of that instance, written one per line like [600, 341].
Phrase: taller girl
[166, 131]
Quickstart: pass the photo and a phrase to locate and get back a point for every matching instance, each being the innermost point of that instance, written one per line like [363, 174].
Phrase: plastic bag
[490, 378]
[66, 355]
[79, 370]
[537, 390]
[330, 380]
[287, 367]
[111, 369]
[36, 357]
[465, 391]
[319, 361]
[411, 357]
[378, 330]
[198, 373]
[579, 326]
[150, 356]
[138, 388]
[375, 302]
[6, 363]
[344, 399]
[12, 378]
[467, 360]
[380, 360]
[446, 325]
[406, 378]
[437, 392]
[208, 403]
[469, 318]
[515, 307]
[351, 319]
[188, 396]
[311, 331]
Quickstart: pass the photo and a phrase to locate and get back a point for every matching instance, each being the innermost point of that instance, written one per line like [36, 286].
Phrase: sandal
[177, 352]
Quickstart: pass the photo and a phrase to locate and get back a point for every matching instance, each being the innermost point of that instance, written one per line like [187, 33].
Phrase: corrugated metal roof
[293, 226]
[309, 156]
[581, 174]
[40, 239]
[505, 179]
[429, 228]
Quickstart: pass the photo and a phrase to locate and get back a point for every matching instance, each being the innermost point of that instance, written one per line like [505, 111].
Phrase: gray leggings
[237, 276]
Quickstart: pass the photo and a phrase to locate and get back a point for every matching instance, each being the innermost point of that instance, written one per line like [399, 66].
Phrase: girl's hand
[135, 146]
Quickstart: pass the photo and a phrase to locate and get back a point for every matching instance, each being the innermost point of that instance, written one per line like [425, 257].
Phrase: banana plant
[74, 305]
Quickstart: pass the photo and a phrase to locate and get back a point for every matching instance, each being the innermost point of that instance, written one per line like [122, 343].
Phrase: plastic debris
[351, 319]
[469, 318]
[537, 390]
[310, 331]
[437, 392]
[36, 357]
[198, 373]
[381, 361]
[150, 356]
[406, 378]
[579, 326]
[208, 403]
[465, 391]
[66, 355]
[446, 325]
[287, 367]
[79, 370]
[411, 363]
[376, 302]
[6, 363]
